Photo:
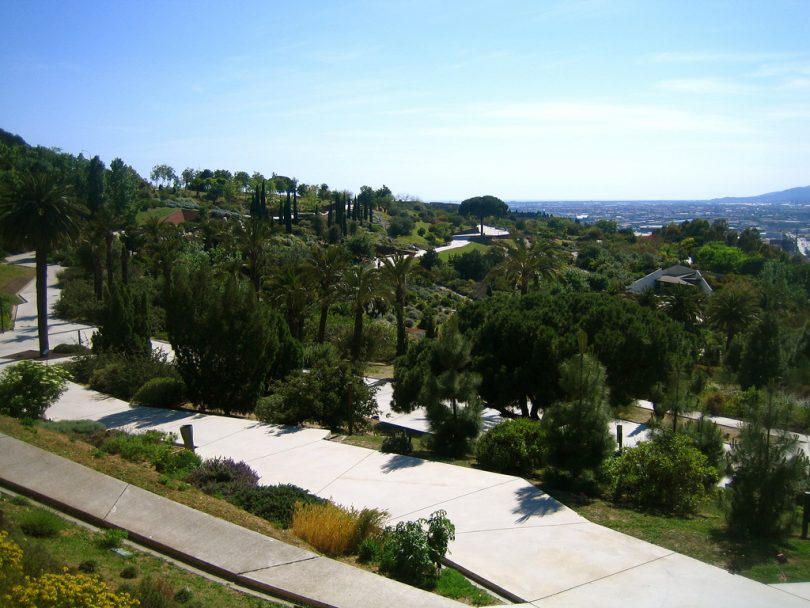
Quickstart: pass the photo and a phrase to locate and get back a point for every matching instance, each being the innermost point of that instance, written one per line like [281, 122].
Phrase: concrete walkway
[508, 533]
[225, 549]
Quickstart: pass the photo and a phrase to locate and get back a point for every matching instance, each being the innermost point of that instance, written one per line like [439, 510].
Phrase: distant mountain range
[793, 195]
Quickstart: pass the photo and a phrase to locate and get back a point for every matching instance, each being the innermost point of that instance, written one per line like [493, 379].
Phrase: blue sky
[542, 99]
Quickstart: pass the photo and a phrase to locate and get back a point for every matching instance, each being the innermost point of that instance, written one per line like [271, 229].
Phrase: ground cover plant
[74, 561]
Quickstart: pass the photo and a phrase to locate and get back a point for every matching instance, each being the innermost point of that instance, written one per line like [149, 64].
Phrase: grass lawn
[157, 212]
[472, 246]
[380, 371]
[74, 545]
[413, 238]
[13, 278]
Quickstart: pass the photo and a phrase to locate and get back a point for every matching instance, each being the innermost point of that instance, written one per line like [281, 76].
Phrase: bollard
[619, 436]
[187, 433]
[805, 514]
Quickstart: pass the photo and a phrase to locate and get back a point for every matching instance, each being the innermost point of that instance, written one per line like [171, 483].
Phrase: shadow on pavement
[144, 417]
[398, 462]
[280, 431]
[641, 428]
[532, 501]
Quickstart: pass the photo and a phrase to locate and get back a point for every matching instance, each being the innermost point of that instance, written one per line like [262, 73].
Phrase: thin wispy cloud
[705, 86]
[717, 57]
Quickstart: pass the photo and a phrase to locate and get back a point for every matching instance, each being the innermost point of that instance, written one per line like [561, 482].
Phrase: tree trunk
[124, 263]
[400, 314]
[524, 406]
[108, 247]
[482, 225]
[42, 301]
[98, 276]
[357, 339]
[322, 323]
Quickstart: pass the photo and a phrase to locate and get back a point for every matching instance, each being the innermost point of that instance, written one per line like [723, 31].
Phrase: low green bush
[120, 375]
[85, 428]
[413, 550]
[276, 504]
[665, 474]
[223, 477]
[110, 538]
[40, 523]
[28, 389]
[175, 461]
[129, 572]
[511, 446]
[160, 392]
[139, 447]
[88, 566]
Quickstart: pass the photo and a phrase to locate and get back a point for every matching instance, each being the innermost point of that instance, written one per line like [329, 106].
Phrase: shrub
[11, 560]
[111, 538]
[70, 349]
[369, 550]
[40, 523]
[512, 445]
[398, 443]
[60, 590]
[275, 503]
[85, 428]
[155, 592]
[27, 389]
[88, 566]
[333, 529]
[38, 561]
[183, 595]
[707, 437]
[664, 474]
[136, 447]
[223, 477]
[121, 375]
[129, 572]
[413, 550]
[176, 461]
[160, 392]
[77, 302]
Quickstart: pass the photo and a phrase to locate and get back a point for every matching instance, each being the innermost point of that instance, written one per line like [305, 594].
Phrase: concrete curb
[210, 544]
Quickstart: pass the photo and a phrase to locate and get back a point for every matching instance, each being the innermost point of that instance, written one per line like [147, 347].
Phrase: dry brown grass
[334, 530]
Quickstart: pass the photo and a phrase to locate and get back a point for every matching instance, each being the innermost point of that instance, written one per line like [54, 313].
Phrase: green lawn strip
[472, 246]
[75, 545]
[157, 212]
[451, 583]
[13, 278]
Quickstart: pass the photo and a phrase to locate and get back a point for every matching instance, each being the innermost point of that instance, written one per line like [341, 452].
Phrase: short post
[619, 436]
[187, 433]
[805, 514]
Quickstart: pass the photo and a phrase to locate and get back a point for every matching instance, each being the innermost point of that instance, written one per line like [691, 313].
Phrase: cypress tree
[124, 325]
[263, 203]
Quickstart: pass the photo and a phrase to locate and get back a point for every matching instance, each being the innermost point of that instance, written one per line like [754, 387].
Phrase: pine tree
[124, 326]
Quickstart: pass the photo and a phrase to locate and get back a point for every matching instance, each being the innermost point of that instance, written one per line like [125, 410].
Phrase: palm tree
[324, 269]
[526, 263]
[39, 211]
[361, 285]
[685, 304]
[286, 287]
[732, 310]
[394, 271]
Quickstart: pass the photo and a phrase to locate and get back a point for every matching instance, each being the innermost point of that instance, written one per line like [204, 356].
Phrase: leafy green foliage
[664, 474]
[124, 323]
[28, 389]
[322, 394]
[511, 446]
[121, 375]
[41, 523]
[226, 344]
[397, 443]
[768, 471]
[274, 503]
[160, 392]
[413, 550]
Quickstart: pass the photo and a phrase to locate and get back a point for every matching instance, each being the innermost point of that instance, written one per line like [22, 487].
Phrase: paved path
[517, 538]
[230, 551]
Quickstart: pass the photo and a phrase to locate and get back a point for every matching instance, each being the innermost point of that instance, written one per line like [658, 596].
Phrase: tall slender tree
[324, 270]
[361, 285]
[395, 270]
[37, 210]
